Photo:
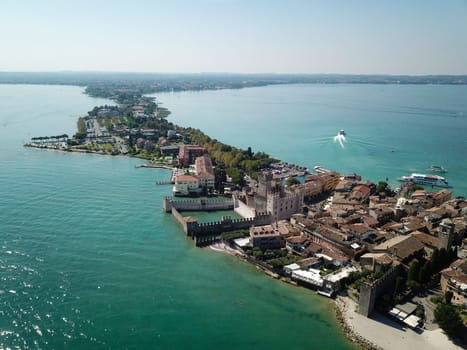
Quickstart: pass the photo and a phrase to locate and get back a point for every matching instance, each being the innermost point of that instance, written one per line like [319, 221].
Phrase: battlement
[197, 204]
[205, 232]
[226, 224]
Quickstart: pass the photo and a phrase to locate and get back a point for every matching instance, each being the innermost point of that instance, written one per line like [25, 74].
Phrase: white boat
[341, 133]
[426, 180]
[437, 168]
[320, 170]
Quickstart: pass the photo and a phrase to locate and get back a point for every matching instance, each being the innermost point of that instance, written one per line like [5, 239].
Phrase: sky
[413, 37]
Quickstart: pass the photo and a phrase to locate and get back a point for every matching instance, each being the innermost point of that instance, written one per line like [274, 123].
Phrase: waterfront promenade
[384, 333]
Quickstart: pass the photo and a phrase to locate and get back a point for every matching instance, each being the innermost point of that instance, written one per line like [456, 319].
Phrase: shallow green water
[88, 260]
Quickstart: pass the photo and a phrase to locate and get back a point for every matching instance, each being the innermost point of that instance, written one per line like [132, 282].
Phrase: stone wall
[226, 224]
[243, 209]
[197, 204]
[369, 292]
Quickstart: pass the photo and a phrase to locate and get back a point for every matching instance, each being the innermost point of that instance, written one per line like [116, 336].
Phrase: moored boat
[437, 168]
[320, 170]
[425, 179]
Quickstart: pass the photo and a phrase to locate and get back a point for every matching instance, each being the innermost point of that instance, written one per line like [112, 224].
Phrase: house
[429, 241]
[170, 150]
[296, 243]
[454, 279]
[360, 193]
[317, 184]
[360, 231]
[442, 196]
[186, 185]
[188, 153]
[376, 262]
[204, 172]
[403, 248]
[266, 237]
[382, 213]
[334, 280]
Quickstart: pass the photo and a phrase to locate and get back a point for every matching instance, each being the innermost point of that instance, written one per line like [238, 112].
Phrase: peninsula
[394, 260]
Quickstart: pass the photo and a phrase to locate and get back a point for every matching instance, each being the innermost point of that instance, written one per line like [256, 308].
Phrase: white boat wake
[341, 139]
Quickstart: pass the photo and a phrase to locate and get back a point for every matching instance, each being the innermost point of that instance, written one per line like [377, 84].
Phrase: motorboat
[437, 168]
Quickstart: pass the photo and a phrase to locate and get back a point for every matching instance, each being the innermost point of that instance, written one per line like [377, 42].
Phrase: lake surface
[392, 130]
[88, 260]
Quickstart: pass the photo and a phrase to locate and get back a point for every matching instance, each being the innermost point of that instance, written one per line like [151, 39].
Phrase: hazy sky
[245, 36]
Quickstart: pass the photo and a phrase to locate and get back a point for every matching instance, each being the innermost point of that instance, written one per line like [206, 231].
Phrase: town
[400, 252]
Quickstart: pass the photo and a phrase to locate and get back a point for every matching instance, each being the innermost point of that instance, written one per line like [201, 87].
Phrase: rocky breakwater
[340, 310]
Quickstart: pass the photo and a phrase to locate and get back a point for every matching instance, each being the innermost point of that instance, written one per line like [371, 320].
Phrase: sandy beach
[380, 332]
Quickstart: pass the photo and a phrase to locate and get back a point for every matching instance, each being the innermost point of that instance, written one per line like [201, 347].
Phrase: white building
[205, 172]
[185, 185]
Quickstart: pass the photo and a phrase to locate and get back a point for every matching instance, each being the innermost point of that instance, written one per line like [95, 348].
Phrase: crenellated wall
[205, 232]
[198, 204]
[226, 224]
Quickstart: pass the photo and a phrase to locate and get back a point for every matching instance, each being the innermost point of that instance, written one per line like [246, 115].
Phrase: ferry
[437, 168]
[426, 180]
[341, 133]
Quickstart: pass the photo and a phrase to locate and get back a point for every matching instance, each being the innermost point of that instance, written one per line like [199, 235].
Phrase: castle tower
[264, 184]
[445, 234]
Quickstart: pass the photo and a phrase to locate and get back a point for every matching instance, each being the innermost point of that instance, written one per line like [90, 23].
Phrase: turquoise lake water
[392, 130]
[88, 260]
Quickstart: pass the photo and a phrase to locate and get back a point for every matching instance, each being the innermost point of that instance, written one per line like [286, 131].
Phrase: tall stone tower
[264, 184]
[445, 234]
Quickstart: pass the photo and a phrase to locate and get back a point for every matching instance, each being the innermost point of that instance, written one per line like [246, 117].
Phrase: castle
[272, 197]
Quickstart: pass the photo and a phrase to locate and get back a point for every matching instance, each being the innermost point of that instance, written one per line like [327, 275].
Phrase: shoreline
[381, 333]
[120, 155]
[375, 333]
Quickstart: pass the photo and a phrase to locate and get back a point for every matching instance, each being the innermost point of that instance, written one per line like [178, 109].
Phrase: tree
[249, 153]
[236, 175]
[449, 319]
[424, 273]
[414, 270]
[452, 254]
[219, 178]
[399, 286]
[383, 187]
[443, 258]
[448, 296]
[435, 262]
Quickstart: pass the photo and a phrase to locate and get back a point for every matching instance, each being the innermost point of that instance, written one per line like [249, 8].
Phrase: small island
[381, 253]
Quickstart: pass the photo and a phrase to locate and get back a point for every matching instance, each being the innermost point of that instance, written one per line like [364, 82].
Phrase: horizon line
[231, 73]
